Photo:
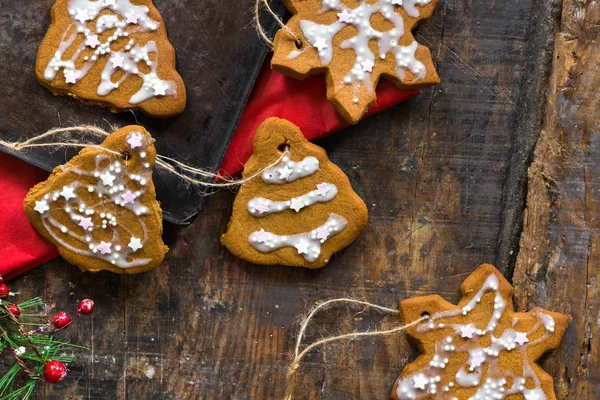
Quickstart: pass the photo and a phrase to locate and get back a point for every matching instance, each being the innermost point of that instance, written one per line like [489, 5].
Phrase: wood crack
[545, 22]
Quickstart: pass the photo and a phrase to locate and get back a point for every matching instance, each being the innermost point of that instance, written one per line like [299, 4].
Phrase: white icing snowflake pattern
[483, 371]
[396, 42]
[321, 37]
[123, 20]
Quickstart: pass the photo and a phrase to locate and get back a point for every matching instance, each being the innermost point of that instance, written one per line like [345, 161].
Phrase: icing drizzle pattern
[261, 207]
[124, 21]
[114, 184]
[290, 171]
[321, 37]
[307, 244]
[427, 383]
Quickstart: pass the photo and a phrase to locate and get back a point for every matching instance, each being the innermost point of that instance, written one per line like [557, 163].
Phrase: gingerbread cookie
[355, 43]
[299, 211]
[481, 348]
[100, 208]
[112, 53]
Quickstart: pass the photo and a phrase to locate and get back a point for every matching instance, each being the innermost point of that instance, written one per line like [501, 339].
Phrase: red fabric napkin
[22, 247]
[274, 95]
[302, 102]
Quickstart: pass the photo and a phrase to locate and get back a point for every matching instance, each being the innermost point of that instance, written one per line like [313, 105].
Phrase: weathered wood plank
[432, 172]
[558, 263]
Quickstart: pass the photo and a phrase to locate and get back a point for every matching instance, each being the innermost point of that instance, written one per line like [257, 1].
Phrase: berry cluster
[30, 347]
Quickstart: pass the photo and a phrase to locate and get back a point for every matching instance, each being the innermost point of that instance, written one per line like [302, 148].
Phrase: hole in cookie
[126, 155]
[283, 147]
[299, 44]
[425, 314]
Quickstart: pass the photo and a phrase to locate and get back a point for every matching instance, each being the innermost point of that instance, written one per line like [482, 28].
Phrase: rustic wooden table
[500, 163]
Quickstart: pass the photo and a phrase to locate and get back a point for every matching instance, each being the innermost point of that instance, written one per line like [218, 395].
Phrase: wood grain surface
[446, 176]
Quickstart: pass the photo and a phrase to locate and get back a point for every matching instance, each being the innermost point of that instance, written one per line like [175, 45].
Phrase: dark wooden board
[444, 176]
[218, 56]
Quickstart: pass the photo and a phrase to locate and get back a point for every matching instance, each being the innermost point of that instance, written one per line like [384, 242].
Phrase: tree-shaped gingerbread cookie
[481, 348]
[355, 42]
[113, 53]
[100, 208]
[299, 211]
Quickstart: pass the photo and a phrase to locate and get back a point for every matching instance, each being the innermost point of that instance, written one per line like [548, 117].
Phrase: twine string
[188, 173]
[261, 31]
[299, 355]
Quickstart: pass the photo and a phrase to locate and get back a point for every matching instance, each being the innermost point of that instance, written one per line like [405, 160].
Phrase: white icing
[288, 171]
[124, 20]
[494, 383]
[260, 207]
[307, 244]
[114, 184]
[321, 37]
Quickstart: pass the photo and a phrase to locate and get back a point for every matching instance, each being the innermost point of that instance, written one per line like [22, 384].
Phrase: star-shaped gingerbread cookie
[355, 43]
[481, 348]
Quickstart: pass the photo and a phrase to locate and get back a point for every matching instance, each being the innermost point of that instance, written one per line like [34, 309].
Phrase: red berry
[61, 320]
[86, 307]
[14, 309]
[4, 291]
[54, 371]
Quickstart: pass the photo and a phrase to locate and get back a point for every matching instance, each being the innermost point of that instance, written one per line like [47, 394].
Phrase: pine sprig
[29, 339]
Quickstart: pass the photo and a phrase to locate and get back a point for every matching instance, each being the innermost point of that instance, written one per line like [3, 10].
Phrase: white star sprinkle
[367, 65]
[86, 223]
[420, 381]
[41, 206]
[132, 17]
[467, 331]
[107, 178]
[477, 358]
[521, 338]
[68, 192]
[321, 44]
[297, 204]
[302, 247]
[71, 76]
[344, 16]
[160, 89]
[135, 140]
[82, 16]
[117, 60]
[92, 41]
[135, 244]
[285, 172]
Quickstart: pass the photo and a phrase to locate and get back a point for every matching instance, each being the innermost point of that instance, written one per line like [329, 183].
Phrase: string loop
[189, 174]
[299, 355]
[282, 25]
